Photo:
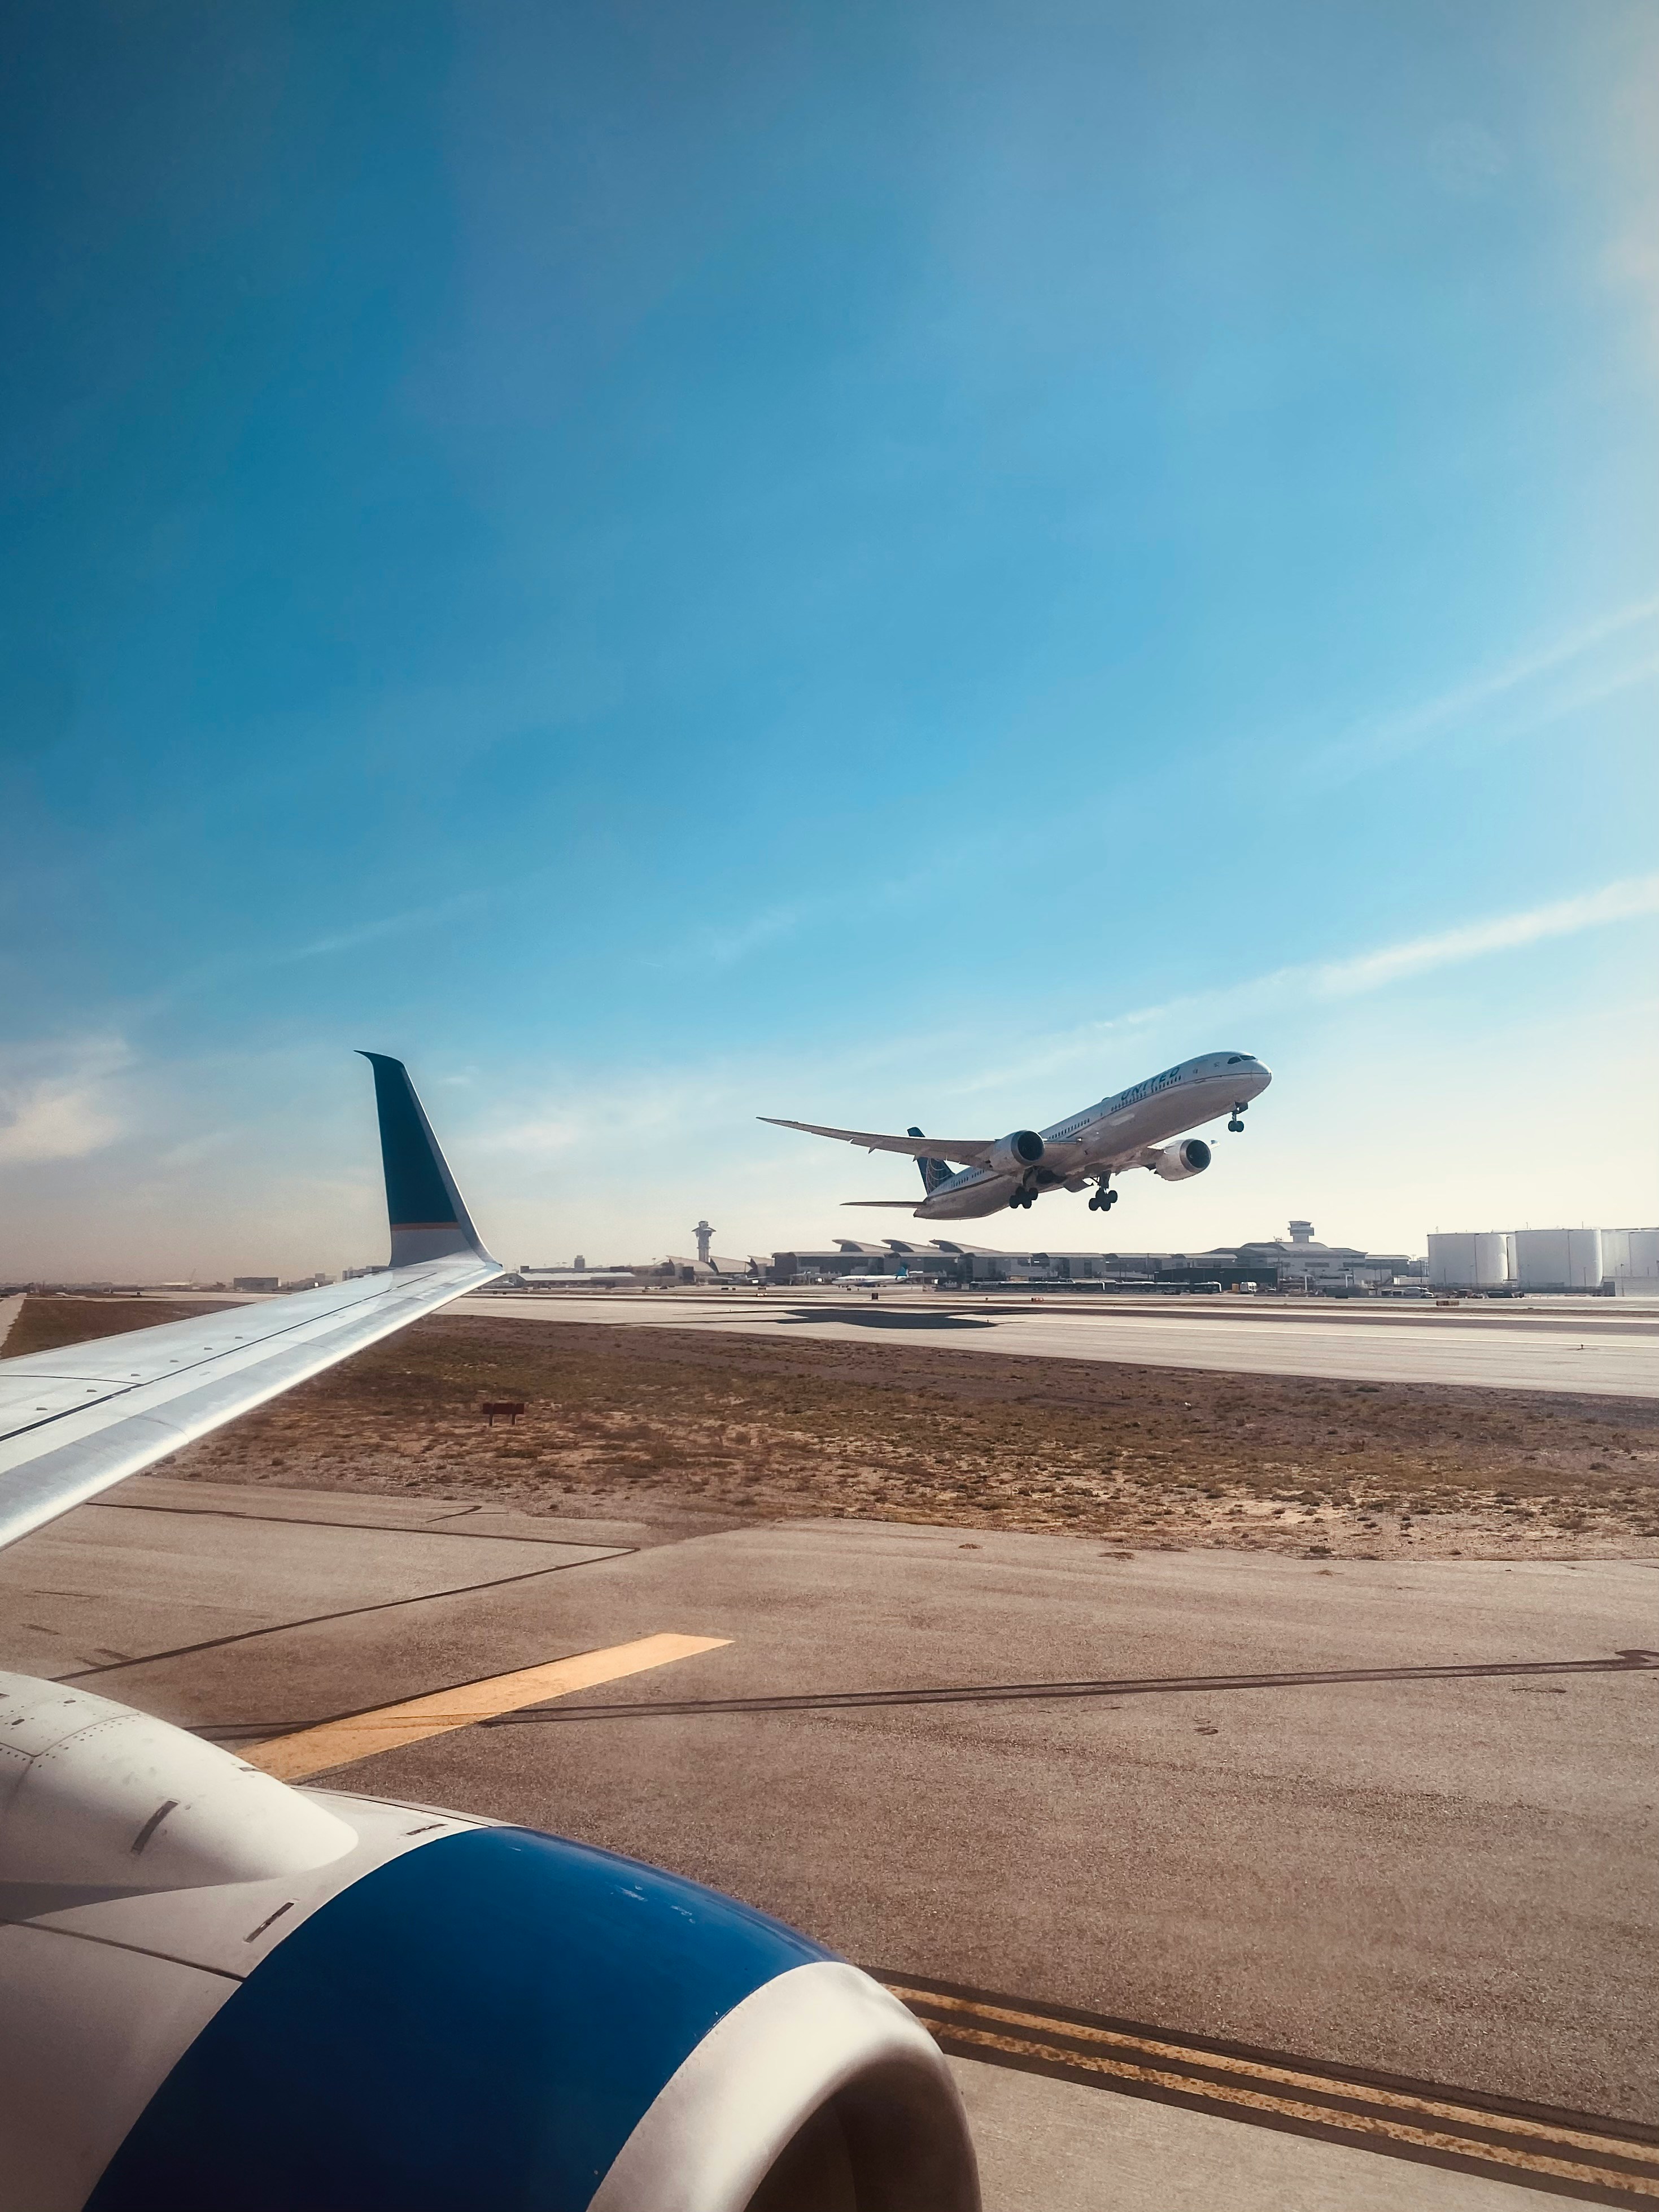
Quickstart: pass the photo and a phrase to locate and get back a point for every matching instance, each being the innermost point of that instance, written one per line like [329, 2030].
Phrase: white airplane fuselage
[1113, 1134]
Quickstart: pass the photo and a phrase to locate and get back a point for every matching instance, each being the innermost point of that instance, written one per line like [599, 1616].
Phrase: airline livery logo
[933, 1172]
[1153, 1084]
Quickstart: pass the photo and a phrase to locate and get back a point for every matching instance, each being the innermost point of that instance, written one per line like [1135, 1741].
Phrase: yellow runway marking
[360, 1736]
[1611, 2168]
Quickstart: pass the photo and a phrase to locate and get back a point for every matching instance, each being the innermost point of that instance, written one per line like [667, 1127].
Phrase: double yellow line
[1404, 2119]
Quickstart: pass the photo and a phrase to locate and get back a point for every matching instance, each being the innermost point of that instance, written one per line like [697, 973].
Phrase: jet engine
[1015, 1155]
[1176, 1162]
[217, 1990]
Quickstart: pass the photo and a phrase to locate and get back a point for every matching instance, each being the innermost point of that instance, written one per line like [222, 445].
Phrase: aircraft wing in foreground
[74, 1421]
[219, 1993]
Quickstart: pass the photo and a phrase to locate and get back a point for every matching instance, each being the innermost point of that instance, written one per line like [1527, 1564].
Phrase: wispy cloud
[401, 924]
[723, 947]
[1627, 899]
[56, 1102]
[1617, 902]
[405, 921]
[1373, 744]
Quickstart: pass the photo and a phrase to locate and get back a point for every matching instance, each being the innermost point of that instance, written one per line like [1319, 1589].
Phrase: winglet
[427, 1215]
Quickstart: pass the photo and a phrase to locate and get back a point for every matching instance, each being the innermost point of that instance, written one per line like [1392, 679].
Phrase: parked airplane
[1131, 1129]
[218, 1991]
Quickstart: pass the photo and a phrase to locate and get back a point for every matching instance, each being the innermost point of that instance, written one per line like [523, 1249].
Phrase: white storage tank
[1469, 1260]
[1630, 1257]
[1559, 1259]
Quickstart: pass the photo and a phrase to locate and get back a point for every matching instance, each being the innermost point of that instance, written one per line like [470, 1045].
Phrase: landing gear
[1023, 1198]
[1236, 1125]
[1102, 1200]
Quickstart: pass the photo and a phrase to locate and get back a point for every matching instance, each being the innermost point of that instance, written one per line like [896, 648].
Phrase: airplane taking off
[219, 1990]
[1132, 1129]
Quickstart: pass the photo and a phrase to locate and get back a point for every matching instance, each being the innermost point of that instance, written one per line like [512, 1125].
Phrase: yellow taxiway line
[360, 1736]
[1603, 2163]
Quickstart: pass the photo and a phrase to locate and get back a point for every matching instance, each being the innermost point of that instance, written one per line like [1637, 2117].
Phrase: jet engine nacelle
[1015, 1155]
[1176, 1162]
[220, 1990]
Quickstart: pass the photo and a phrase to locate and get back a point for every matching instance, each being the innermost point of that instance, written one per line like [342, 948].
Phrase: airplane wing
[970, 1151]
[74, 1421]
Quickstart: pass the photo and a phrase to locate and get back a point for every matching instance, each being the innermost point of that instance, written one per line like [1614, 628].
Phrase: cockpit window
[1235, 1060]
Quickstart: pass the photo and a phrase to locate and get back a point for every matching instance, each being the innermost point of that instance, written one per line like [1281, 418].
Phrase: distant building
[254, 1283]
[1630, 1261]
[709, 1267]
[1617, 1262]
[1303, 1262]
[578, 1276]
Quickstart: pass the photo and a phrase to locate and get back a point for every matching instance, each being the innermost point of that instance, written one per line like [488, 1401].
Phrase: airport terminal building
[1296, 1261]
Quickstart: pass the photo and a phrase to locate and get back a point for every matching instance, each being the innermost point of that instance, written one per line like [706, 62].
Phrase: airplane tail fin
[427, 1213]
[933, 1172]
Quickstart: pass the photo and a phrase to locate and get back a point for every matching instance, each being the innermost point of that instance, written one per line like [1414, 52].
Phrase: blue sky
[878, 564]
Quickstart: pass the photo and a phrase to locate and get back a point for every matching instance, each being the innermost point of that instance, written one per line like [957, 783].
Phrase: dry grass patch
[754, 1425]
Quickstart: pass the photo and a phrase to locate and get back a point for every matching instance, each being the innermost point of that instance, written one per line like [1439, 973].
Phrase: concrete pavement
[1608, 1349]
[1048, 2146]
[1450, 1880]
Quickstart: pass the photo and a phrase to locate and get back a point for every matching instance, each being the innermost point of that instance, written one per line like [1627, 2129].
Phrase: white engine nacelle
[183, 1934]
[1015, 1155]
[1176, 1162]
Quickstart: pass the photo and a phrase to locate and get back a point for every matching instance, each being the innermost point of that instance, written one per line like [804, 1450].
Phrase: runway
[1182, 1854]
[1609, 1354]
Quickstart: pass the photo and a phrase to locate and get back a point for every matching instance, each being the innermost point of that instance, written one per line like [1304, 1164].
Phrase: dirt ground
[45, 1324]
[618, 1420]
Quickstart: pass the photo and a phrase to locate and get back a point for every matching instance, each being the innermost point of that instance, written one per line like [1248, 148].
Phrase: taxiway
[1380, 1821]
[1612, 1349]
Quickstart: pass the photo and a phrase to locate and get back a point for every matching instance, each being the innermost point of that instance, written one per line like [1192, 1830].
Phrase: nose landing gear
[1236, 1125]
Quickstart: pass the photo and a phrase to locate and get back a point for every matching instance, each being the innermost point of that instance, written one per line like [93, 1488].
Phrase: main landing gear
[1102, 1199]
[1236, 1125]
[1024, 1198]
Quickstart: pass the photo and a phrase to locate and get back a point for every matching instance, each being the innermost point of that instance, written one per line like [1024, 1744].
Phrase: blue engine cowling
[222, 1993]
[507, 2019]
